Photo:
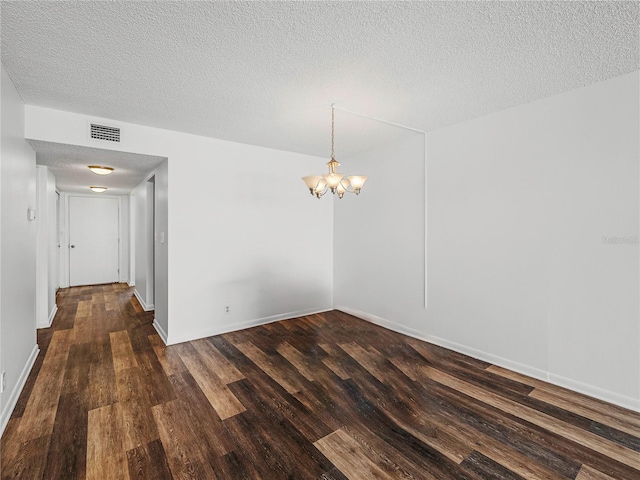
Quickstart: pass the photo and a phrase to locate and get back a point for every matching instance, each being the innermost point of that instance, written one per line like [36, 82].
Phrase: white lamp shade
[99, 189]
[312, 181]
[100, 170]
[333, 179]
[357, 181]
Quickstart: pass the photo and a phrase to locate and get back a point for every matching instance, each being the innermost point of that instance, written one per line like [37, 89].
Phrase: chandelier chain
[332, 135]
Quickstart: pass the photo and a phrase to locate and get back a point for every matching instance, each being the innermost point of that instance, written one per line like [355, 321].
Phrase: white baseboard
[383, 322]
[522, 368]
[160, 330]
[219, 330]
[47, 323]
[540, 374]
[131, 284]
[560, 381]
[145, 307]
[52, 315]
[595, 392]
[10, 404]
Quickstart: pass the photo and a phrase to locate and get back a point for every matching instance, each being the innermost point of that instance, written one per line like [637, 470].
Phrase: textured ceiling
[266, 73]
[69, 163]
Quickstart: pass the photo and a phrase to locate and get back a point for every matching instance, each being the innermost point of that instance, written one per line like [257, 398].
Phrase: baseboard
[218, 330]
[131, 284]
[160, 330]
[145, 307]
[560, 381]
[522, 368]
[47, 323]
[596, 392]
[10, 404]
[382, 322]
[52, 315]
[540, 374]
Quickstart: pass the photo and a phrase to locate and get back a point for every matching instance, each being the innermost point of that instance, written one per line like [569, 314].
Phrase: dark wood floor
[321, 397]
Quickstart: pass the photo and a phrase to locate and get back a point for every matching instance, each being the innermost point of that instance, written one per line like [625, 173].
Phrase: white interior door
[93, 240]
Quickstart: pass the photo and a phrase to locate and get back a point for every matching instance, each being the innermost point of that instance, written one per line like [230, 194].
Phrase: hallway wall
[139, 210]
[18, 348]
[48, 275]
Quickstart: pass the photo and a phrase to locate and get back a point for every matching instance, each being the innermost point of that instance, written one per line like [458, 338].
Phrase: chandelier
[336, 182]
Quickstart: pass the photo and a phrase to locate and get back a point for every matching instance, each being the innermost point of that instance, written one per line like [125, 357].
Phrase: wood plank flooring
[325, 396]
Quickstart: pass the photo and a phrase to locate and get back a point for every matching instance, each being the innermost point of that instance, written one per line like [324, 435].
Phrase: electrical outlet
[227, 309]
[3, 382]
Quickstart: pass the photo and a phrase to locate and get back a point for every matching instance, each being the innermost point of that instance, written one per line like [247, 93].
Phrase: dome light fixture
[98, 189]
[99, 170]
[338, 183]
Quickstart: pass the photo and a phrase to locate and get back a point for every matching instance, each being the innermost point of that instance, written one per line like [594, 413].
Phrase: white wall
[150, 241]
[162, 280]
[131, 280]
[240, 228]
[17, 250]
[379, 241]
[47, 274]
[125, 237]
[522, 205]
[140, 232]
[143, 239]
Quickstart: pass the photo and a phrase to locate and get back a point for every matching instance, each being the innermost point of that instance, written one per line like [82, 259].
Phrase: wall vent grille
[102, 132]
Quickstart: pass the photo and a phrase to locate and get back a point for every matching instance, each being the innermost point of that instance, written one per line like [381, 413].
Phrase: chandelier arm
[346, 187]
[322, 193]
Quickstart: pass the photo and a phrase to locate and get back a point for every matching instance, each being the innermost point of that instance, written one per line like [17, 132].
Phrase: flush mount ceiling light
[98, 189]
[336, 182]
[98, 170]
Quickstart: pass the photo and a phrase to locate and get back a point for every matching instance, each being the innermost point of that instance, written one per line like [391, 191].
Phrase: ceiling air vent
[102, 132]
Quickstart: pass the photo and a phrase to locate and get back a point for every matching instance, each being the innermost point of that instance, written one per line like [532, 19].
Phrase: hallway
[76, 373]
[326, 396]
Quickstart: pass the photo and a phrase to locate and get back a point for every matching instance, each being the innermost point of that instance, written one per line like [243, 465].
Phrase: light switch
[161, 237]
[31, 214]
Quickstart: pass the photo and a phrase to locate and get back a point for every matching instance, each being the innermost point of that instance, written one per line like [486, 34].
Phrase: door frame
[59, 239]
[150, 225]
[64, 224]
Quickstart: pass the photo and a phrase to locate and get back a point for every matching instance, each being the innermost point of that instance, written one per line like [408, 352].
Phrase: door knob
[73, 246]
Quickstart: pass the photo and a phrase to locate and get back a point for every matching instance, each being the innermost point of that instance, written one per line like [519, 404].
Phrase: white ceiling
[69, 164]
[266, 73]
